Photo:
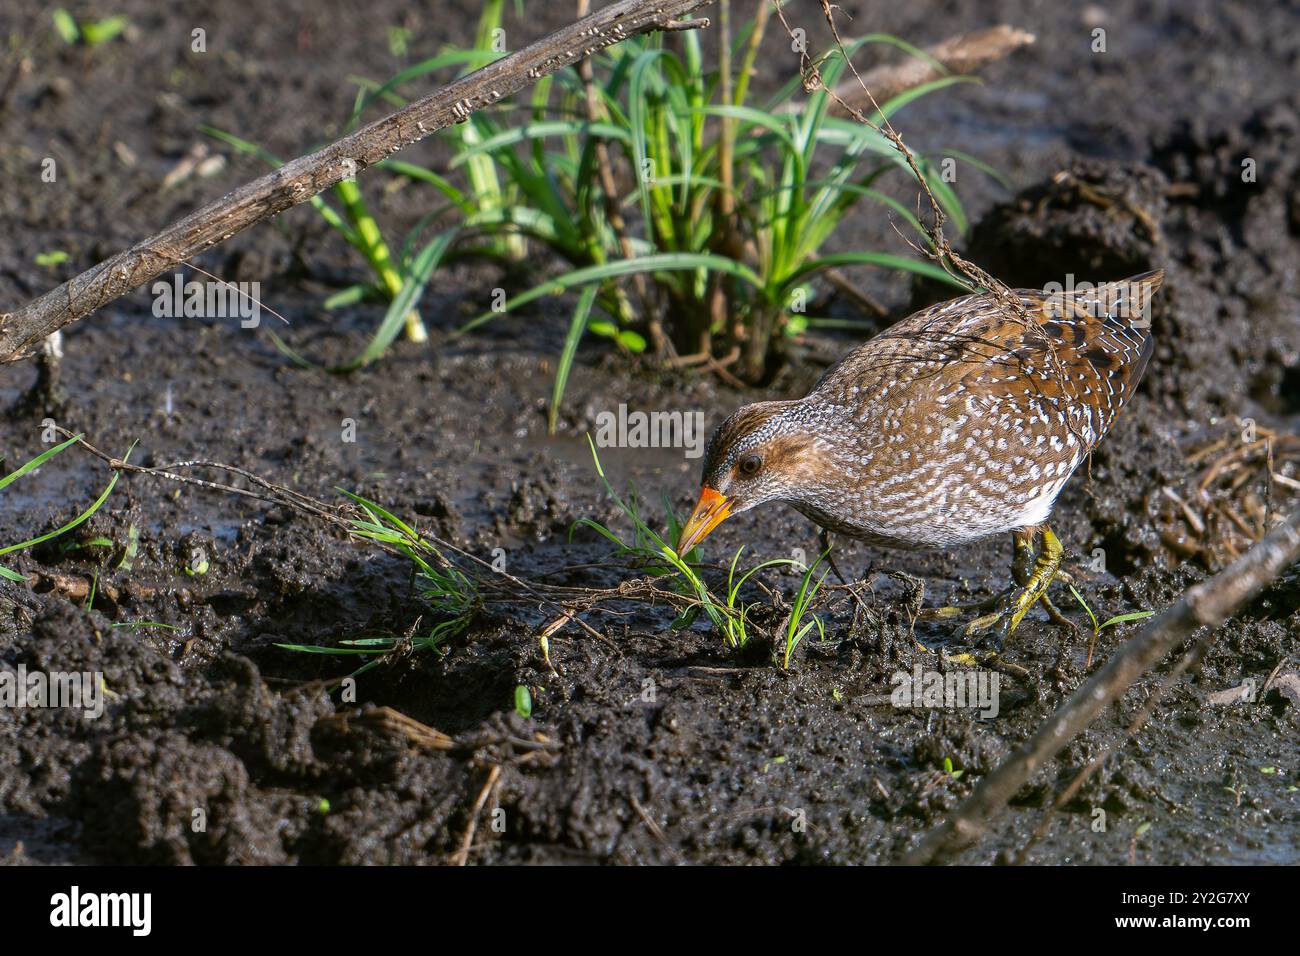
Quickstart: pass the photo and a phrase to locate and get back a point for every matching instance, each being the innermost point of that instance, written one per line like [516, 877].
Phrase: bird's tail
[1130, 299]
[1126, 315]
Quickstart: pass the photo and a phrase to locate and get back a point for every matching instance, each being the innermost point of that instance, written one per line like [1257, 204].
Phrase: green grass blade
[408, 296]
[577, 325]
[664, 262]
[36, 462]
[1096, 628]
[440, 183]
[988, 170]
[352, 295]
[81, 518]
[1125, 618]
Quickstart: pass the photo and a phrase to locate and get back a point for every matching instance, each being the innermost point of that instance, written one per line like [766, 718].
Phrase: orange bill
[710, 512]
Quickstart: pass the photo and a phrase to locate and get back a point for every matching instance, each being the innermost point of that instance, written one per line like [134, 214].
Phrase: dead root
[1243, 485]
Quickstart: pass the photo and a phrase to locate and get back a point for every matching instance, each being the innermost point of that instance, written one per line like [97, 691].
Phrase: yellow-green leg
[1033, 582]
[1022, 565]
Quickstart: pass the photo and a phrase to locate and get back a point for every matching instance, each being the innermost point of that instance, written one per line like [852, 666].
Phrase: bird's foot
[1053, 612]
[998, 625]
[1022, 566]
[1012, 606]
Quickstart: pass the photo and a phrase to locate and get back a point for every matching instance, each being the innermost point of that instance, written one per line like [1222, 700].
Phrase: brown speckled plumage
[962, 421]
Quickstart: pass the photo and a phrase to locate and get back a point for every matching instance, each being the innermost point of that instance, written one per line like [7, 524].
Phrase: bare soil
[729, 751]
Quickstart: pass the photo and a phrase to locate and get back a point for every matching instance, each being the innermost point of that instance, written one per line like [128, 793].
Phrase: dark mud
[656, 745]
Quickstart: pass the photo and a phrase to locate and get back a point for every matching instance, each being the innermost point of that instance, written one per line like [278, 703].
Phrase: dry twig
[1232, 500]
[963, 53]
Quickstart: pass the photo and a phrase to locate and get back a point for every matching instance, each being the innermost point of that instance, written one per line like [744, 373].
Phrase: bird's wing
[1078, 354]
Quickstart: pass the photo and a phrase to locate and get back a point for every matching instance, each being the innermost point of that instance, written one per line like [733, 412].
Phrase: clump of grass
[736, 198]
[797, 628]
[691, 214]
[659, 558]
[26, 469]
[735, 627]
[450, 593]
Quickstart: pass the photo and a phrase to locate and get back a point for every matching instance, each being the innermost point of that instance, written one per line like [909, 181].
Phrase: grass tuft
[28, 468]
[448, 590]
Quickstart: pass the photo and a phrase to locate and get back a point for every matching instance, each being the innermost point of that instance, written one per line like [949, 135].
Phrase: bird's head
[763, 452]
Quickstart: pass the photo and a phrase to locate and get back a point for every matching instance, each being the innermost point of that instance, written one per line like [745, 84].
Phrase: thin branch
[462, 855]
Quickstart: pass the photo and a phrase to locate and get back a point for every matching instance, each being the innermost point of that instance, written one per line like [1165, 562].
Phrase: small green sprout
[1098, 628]
[90, 32]
[66, 26]
[440, 583]
[399, 41]
[523, 701]
[48, 260]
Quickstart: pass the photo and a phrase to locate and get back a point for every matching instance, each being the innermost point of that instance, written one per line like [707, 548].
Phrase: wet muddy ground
[645, 744]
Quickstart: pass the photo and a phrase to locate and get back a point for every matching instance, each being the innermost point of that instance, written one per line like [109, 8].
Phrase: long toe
[1010, 610]
[996, 626]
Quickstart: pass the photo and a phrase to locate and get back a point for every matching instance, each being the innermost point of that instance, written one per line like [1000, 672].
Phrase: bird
[961, 422]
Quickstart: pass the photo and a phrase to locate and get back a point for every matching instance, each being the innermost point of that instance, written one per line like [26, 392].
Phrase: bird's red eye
[750, 465]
